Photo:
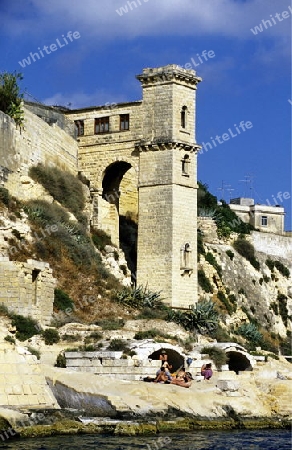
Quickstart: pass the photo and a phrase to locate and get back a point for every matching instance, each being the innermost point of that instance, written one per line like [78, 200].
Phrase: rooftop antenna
[229, 190]
[223, 188]
[248, 180]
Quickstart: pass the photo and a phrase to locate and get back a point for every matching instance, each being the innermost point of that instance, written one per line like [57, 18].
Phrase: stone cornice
[169, 74]
[144, 146]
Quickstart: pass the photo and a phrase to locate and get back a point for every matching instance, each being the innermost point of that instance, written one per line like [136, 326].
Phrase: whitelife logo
[272, 21]
[48, 49]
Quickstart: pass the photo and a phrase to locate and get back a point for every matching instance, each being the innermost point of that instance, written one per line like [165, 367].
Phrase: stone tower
[167, 232]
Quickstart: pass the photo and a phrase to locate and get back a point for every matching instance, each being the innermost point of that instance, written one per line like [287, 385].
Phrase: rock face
[264, 294]
[100, 396]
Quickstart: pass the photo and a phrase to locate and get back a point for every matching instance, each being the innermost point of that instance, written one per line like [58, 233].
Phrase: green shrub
[151, 334]
[9, 339]
[16, 233]
[68, 238]
[117, 345]
[217, 355]
[26, 327]
[63, 186]
[275, 307]
[124, 269]
[100, 239]
[150, 313]
[43, 212]
[71, 337]
[51, 336]
[94, 336]
[128, 352]
[4, 196]
[282, 269]
[241, 291]
[246, 249]
[61, 361]
[223, 299]
[204, 281]
[230, 254]
[270, 264]
[34, 352]
[283, 310]
[212, 260]
[10, 96]
[87, 348]
[200, 245]
[221, 335]
[62, 301]
[111, 324]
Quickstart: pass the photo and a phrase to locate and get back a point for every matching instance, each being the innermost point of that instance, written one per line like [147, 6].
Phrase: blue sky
[248, 79]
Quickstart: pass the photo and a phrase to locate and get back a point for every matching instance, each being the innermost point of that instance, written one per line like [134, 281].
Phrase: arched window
[185, 162]
[183, 117]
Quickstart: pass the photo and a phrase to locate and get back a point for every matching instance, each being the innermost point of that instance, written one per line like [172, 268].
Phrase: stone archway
[173, 357]
[118, 208]
[238, 362]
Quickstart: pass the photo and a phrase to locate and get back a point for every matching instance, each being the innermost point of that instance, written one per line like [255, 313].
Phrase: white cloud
[232, 18]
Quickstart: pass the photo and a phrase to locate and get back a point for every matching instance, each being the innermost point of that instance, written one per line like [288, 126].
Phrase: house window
[101, 125]
[124, 122]
[183, 117]
[264, 221]
[80, 127]
[185, 162]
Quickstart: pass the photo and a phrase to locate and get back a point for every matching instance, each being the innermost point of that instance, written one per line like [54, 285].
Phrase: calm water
[201, 440]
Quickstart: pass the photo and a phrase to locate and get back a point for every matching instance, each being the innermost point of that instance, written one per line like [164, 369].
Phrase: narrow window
[34, 275]
[183, 117]
[124, 122]
[101, 125]
[264, 221]
[185, 162]
[79, 127]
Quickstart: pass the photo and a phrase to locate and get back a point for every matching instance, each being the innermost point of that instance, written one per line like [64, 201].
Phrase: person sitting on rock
[161, 376]
[206, 371]
[183, 380]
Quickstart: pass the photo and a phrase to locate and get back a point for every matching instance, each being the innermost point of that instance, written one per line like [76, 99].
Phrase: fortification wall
[39, 142]
[272, 244]
[27, 288]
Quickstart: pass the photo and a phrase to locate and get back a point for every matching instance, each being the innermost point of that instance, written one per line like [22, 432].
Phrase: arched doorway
[173, 357]
[238, 362]
[111, 181]
[120, 207]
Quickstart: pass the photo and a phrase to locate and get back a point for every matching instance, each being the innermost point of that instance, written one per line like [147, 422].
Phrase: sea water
[196, 440]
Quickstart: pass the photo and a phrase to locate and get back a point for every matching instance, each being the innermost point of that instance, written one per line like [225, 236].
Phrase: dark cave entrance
[238, 362]
[173, 357]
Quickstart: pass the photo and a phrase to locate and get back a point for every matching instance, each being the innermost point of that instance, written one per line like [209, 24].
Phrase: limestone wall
[22, 383]
[109, 363]
[27, 288]
[39, 142]
[272, 244]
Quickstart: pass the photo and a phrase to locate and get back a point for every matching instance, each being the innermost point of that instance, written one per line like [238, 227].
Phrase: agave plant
[140, 297]
[202, 317]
